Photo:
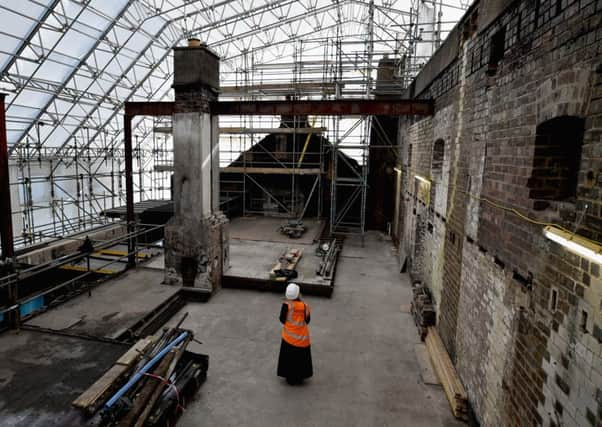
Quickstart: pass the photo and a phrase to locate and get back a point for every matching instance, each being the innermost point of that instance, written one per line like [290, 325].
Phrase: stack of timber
[422, 309]
[284, 269]
[454, 390]
[148, 385]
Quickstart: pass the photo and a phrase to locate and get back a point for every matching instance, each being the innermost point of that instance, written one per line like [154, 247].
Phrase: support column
[129, 189]
[194, 237]
[6, 219]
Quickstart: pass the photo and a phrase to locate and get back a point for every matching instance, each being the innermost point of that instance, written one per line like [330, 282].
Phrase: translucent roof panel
[69, 66]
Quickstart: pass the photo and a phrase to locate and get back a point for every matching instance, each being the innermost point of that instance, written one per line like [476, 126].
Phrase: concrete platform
[255, 246]
[252, 261]
[113, 307]
[365, 369]
[41, 374]
[265, 229]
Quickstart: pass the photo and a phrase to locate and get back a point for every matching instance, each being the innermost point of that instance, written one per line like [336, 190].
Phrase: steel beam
[343, 107]
[133, 109]
[129, 188]
[6, 220]
[149, 109]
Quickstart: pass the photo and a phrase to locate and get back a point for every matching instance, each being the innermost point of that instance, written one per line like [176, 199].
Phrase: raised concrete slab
[252, 261]
[113, 306]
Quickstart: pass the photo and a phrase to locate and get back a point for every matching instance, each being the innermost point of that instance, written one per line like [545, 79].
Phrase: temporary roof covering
[68, 66]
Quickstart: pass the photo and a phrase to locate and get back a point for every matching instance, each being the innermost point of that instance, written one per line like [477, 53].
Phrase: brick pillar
[195, 247]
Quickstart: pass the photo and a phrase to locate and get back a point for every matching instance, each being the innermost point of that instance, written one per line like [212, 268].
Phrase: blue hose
[143, 370]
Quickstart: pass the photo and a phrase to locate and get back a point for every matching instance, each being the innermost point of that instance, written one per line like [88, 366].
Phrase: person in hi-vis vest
[294, 362]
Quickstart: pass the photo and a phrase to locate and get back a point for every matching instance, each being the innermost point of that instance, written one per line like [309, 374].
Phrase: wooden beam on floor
[272, 171]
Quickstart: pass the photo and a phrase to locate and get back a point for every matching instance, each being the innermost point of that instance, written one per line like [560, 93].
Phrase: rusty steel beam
[149, 109]
[6, 220]
[345, 107]
[133, 109]
[129, 187]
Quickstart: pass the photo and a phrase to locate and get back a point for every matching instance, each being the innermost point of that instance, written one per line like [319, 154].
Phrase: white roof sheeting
[71, 64]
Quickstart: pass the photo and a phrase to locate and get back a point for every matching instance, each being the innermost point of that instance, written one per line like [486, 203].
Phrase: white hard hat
[292, 291]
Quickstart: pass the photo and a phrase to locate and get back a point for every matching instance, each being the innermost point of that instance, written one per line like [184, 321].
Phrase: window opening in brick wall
[536, 14]
[438, 156]
[556, 159]
[554, 300]
[496, 51]
[584, 320]
[410, 156]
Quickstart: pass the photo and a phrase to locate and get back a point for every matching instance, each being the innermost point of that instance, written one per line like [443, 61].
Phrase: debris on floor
[422, 308]
[329, 251]
[293, 229]
[284, 269]
[148, 385]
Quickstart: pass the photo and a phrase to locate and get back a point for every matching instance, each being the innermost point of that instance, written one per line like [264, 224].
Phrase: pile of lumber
[422, 309]
[147, 386]
[454, 390]
[284, 269]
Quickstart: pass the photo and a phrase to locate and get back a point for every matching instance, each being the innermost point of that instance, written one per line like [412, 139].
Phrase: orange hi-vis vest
[295, 330]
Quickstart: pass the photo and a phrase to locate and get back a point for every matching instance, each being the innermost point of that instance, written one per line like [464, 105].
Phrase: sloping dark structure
[280, 176]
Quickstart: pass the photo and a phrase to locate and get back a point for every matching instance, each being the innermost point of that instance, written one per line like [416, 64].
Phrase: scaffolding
[63, 116]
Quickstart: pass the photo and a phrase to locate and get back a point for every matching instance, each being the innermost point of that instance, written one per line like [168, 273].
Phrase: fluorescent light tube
[421, 178]
[575, 243]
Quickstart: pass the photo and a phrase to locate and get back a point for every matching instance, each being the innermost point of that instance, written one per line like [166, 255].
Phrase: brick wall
[524, 359]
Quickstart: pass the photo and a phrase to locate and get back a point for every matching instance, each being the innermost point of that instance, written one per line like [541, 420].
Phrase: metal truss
[70, 65]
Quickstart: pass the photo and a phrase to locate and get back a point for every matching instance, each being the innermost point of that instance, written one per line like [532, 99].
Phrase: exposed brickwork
[190, 100]
[492, 272]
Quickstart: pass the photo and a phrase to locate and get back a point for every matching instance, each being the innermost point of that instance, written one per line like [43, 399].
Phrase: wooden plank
[130, 356]
[253, 170]
[244, 130]
[272, 171]
[97, 390]
[295, 255]
[90, 398]
[427, 372]
[115, 252]
[454, 390]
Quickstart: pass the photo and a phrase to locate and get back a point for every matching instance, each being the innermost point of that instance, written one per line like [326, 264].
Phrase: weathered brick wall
[487, 329]
[523, 359]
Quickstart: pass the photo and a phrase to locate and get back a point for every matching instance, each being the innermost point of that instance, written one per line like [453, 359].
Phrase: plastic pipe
[144, 369]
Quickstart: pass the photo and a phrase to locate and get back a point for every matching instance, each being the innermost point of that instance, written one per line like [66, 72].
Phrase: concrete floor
[41, 374]
[366, 372]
